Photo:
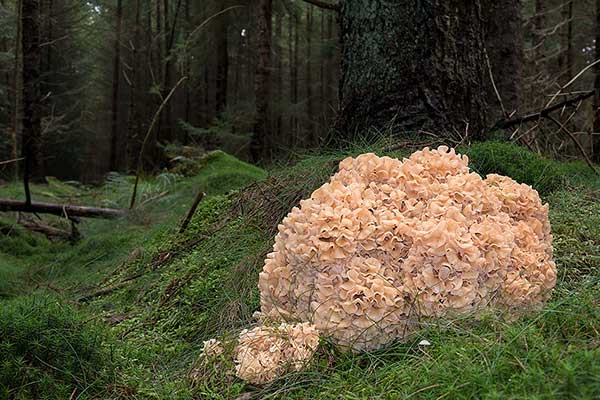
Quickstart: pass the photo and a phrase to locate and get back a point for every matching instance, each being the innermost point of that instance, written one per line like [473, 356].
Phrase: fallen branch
[109, 289]
[191, 212]
[11, 161]
[51, 232]
[503, 124]
[62, 210]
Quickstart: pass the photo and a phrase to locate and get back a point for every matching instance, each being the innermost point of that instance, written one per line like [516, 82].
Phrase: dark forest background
[104, 67]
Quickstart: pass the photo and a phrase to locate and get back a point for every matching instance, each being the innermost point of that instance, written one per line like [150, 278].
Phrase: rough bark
[116, 81]
[31, 116]
[504, 43]
[262, 87]
[412, 68]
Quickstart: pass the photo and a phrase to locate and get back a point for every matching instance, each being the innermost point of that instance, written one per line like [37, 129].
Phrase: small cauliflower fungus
[386, 243]
[212, 348]
[265, 353]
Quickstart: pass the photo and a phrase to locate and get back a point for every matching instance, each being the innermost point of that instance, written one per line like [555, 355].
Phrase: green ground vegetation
[123, 312]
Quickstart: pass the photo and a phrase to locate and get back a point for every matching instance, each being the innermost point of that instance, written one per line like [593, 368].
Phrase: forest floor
[123, 312]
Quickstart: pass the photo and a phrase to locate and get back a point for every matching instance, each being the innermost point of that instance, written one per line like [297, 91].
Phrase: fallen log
[62, 210]
[51, 232]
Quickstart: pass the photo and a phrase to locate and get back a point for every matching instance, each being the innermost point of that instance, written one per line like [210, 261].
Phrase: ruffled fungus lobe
[265, 353]
[388, 242]
[212, 348]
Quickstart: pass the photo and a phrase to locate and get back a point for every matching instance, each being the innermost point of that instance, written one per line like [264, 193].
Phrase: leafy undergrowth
[162, 293]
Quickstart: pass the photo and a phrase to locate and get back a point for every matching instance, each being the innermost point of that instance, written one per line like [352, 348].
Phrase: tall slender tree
[291, 74]
[32, 107]
[504, 43]
[262, 87]
[566, 58]
[114, 136]
[222, 38]
[133, 117]
[279, 37]
[309, 79]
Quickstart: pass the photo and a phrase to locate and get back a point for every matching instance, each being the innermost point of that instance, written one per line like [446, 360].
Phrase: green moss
[48, 351]
[516, 162]
[202, 284]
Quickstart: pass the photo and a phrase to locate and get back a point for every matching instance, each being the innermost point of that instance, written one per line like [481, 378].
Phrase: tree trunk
[17, 90]
[206, 94]
[222, 61]
[170, 32]
[133, 118]
[12, 89]
[114, 136]
[565, 61]
[160, 38]
[539, 22]
[322, 88]
[279, 37]
[261, 82]
[309, 77]
[291, 66]
[504, 43]
[596, 130]
[333, 90]
[412, 68]
[187, 72]
[166, 79]
[31, 116]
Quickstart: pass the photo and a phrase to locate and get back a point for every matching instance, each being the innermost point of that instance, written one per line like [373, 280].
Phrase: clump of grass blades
[49, 351]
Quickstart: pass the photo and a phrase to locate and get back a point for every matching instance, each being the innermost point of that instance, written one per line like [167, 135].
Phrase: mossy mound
[49, 351]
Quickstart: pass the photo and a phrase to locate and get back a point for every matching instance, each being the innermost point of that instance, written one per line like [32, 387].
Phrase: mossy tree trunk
[412, 65]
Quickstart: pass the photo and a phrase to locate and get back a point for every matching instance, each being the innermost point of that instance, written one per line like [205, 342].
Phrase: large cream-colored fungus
[388, 242]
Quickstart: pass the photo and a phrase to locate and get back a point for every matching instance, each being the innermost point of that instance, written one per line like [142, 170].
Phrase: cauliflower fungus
[386, 243]
[265, 353]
